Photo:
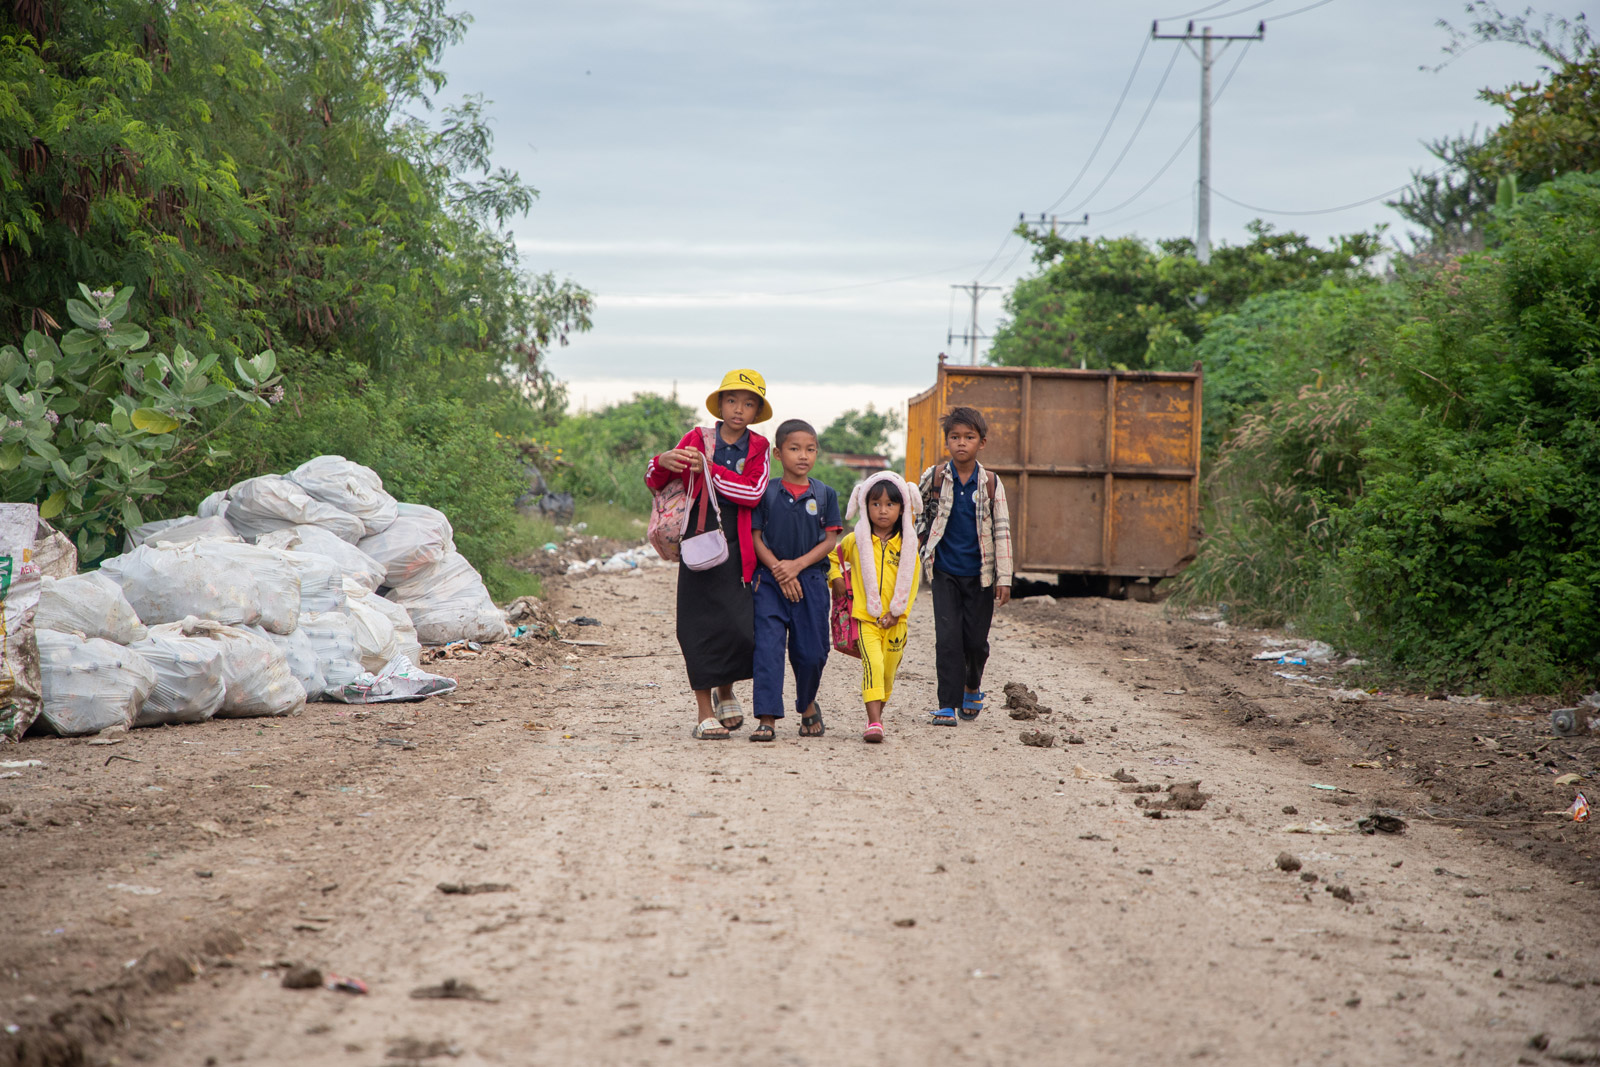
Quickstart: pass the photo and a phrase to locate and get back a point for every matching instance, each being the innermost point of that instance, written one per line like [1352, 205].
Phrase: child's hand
[785, 571]
[1002, 595]
[677, 459]
[887, 621]
[840, 589]
[791, 589]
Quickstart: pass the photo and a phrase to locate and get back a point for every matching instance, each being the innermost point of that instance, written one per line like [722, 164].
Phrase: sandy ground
[948, 897]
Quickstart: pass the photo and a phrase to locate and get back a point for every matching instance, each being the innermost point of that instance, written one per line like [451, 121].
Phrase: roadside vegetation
[1404, 462]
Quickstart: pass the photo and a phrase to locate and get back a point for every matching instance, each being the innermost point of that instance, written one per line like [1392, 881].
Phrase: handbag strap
[711, 491]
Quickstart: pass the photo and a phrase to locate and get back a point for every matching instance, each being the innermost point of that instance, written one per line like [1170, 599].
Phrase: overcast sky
[718, 172]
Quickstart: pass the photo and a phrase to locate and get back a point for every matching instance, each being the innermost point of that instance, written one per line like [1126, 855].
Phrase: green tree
[1122, 302]
[860, 432]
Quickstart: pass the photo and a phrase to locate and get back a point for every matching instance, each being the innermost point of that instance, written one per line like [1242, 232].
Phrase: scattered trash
[450, 989]
[582, 620]
[1350, 696]
[1023, 703]
[1368, 765]
[983, 974]
[1083, 773]
[1475, 698]
[345, 985]
[1037, 739]
[302, 976]
[1381, 823]
[12, 764]
[1288, 862]
[107, 740]
[1569, 779]
[469, 888]
[631, 559]
[400, 681]
[1315, 826]
[1580, 809]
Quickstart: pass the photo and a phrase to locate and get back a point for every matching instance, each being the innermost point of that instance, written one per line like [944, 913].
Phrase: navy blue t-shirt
[793, 524]
[957, 552]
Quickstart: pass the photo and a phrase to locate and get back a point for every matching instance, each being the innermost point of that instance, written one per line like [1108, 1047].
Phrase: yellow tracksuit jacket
[880, 648]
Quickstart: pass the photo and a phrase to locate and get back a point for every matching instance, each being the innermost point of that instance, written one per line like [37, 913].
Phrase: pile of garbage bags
[315, 585]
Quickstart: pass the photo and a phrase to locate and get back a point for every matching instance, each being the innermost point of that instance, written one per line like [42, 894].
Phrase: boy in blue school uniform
[794, 527]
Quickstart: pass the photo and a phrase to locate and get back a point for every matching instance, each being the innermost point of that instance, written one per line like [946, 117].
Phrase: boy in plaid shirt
[966, 558]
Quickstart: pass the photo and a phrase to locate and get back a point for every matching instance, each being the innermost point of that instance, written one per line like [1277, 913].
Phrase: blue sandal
[971, 705]
[943, 717]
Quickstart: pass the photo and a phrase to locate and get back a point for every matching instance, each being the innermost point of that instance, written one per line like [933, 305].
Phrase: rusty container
[1101, 467]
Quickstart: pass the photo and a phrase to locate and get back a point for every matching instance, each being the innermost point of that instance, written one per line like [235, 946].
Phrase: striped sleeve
[655, 475]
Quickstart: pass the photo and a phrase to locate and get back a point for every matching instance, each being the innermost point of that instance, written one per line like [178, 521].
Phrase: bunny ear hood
[908, 540]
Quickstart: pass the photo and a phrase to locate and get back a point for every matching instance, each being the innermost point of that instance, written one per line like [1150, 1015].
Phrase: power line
[1131, 139]
[1341, 207]
[1003, 242]
[1242, 10]
[1191, 14]
[1297, 11]
[1192, 131]
[1143, 47]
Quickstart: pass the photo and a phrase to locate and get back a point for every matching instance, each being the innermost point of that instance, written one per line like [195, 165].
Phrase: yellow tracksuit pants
[880, 658]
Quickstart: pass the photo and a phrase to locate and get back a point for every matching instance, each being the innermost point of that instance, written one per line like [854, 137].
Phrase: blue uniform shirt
[957, 552]
[792, 524]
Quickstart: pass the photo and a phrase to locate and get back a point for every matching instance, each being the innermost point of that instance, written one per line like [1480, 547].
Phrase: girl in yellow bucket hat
[716, 621]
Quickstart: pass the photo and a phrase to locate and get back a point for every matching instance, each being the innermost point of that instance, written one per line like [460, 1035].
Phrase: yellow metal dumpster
[1101, 467]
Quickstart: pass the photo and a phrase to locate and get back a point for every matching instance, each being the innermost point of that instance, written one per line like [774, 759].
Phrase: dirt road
[949, 897]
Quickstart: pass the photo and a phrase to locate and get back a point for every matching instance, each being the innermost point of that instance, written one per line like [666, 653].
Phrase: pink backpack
[669, 511]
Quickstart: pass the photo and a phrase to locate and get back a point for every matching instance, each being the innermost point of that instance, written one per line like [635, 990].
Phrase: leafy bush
[601, 455]
[93, 424]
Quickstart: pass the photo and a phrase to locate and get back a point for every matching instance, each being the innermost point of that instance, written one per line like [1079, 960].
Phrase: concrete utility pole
[972, 334]
[1202, 239]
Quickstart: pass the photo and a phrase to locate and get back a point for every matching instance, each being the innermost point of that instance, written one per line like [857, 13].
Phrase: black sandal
[764, 732]
[813, 718]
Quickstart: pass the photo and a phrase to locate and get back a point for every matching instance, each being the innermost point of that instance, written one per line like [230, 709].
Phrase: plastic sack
[301, 655]
[54, 552]
[215, 504]
[448, 602]
[332, 635]
[376, 639]
[400, 680]
[187, 528]
[351, 488]
[321, 581]
[228, 582]
[273, 502]
[90, 604]
[255, 673]
[353, 563]
[90, 685]
[419, 538]
[405, 631]
[20, 699]
[189, 685]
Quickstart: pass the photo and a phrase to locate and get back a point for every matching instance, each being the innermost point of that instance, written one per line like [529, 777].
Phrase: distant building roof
[859, 461]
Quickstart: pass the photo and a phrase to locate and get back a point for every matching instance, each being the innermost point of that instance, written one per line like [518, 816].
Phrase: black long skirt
[716, 619]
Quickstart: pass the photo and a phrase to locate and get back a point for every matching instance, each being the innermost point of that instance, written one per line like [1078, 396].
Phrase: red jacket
[745, 490]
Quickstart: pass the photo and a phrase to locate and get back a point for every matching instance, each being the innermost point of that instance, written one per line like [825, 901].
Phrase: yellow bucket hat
[745, 379]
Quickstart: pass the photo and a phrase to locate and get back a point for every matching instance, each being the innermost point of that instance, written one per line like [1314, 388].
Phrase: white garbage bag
[333, 637]
[375, 635]
[19, 595]
[215, 504]
[419, 538]
[90, 604]
[189, 685]
[273, 502]
[255, 671]
[353, 562]
[448, 602]
[405, 631]
[301, 655]
[350, 487]
[183, 528]
[53, 552]
[399, 681]
[228, 582]
[90, 685]
[321, 581]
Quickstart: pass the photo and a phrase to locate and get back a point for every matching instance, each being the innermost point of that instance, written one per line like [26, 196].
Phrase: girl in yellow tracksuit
[882, 590]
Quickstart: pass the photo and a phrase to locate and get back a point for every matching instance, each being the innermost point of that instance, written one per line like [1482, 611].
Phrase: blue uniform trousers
[803, 627]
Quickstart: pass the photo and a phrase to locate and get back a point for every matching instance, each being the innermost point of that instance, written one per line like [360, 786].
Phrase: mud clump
[1288, 862]
[301, 976]
[1037, 739]
[1181, 796]
[1023, 703]
[1379, 823]
[1341, 892]
[1123, 776]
